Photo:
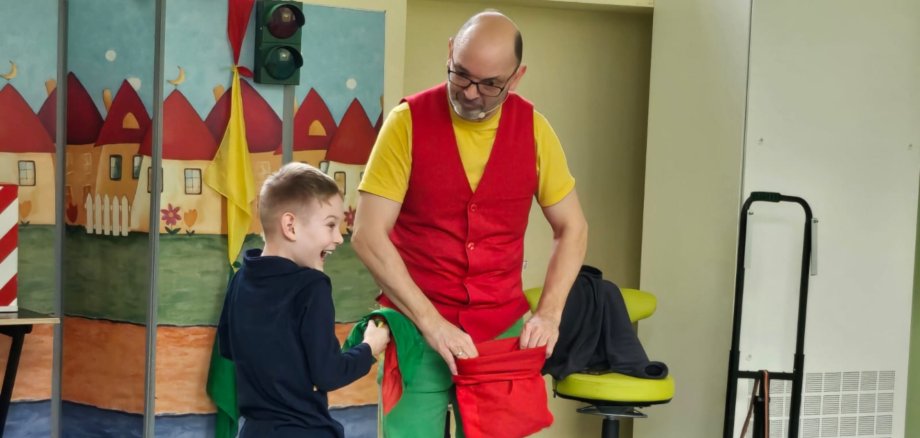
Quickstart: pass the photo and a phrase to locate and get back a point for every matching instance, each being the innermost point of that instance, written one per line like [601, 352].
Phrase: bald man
[442, 212]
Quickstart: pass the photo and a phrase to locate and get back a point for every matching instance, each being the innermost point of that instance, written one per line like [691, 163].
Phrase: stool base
[612, 414]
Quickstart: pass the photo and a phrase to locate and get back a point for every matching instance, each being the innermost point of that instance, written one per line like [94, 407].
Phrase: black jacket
[278, 328]
[595, 334]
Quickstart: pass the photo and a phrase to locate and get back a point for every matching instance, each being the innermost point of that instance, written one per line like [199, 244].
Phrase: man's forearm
[570, 245]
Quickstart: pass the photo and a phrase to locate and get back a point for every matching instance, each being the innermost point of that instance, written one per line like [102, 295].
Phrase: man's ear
[287, 226]
[517, 76]
[450, 51]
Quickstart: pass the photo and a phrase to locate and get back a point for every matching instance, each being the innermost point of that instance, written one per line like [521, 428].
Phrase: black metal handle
[765, 196]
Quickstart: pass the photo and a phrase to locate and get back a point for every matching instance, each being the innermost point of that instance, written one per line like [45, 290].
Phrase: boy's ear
[287, 226]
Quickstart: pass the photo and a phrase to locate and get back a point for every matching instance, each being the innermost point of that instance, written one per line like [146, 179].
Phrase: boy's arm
[329, 367]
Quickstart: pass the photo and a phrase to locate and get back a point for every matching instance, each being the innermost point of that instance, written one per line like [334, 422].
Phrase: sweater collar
[265, 266]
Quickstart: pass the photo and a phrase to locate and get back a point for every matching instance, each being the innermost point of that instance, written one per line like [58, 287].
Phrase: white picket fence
[108, 217]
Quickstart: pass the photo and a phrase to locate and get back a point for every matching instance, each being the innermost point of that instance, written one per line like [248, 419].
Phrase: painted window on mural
[27, 173]
[115, 167]
[192, 181]
[136, 169]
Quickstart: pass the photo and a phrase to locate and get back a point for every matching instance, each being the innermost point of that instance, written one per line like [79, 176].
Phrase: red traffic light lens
[284, 21]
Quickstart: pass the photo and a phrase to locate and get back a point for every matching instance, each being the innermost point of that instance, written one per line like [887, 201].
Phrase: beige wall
[588, 73]
[692, 199]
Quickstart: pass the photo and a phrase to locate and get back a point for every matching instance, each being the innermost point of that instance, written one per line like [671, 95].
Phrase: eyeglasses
[463, 81]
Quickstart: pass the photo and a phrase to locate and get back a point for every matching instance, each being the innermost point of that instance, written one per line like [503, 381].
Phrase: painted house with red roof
[314, 128]
[83, 126]
[126, 124]
[349, 150]
[263, 135]
[188, 148]
[27, 157]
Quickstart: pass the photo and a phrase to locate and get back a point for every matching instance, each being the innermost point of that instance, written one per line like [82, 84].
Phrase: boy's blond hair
[292, 188]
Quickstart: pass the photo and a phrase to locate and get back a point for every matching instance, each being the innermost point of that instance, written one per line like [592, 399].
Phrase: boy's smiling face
[316, 230]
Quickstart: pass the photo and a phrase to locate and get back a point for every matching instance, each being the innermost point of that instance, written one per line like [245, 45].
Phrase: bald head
[492, 33]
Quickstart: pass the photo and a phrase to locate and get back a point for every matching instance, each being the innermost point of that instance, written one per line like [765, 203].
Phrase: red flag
[237, 18]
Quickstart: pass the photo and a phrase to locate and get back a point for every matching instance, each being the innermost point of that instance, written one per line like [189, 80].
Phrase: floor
[33, 420]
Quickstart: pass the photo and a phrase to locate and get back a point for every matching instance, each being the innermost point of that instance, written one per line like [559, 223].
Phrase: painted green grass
[107, 277]
[35, 279]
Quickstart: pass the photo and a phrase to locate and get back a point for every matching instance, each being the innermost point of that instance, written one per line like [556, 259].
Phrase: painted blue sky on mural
[28, 37]
[343, 52]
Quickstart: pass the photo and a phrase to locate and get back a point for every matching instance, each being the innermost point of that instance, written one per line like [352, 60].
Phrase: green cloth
[409, 342]
[221, 388]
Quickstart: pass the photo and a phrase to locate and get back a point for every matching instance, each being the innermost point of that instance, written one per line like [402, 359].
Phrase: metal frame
[799, 359]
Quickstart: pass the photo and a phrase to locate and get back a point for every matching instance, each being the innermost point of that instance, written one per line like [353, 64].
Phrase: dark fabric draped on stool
[596, 335]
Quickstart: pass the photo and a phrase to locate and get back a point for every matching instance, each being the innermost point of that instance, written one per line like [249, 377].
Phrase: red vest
[465, 249]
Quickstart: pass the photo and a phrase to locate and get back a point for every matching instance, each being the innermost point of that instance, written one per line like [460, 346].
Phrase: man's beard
[472, 114]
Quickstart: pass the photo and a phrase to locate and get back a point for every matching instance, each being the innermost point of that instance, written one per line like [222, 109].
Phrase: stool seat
[639, 304]
[613, 395]
[615, 389]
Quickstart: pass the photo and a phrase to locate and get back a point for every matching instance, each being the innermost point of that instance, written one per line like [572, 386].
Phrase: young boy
[277, 324]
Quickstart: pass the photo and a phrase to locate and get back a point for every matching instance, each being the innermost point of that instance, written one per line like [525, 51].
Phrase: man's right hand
[450, 342]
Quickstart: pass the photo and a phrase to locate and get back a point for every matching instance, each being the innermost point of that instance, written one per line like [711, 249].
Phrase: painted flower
[191, 216]
[170, 215]
[72, 212]
[25, 209]
[350, 217]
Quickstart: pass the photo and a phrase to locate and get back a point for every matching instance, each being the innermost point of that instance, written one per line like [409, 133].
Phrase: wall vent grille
[857, 404]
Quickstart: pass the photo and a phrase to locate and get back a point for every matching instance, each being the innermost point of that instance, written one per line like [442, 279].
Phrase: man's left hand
[540, 330]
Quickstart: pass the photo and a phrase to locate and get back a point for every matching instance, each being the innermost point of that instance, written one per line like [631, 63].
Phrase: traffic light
[278, 59]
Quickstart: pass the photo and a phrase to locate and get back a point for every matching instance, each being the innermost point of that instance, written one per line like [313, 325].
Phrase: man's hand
[450, 342]
[540, 330]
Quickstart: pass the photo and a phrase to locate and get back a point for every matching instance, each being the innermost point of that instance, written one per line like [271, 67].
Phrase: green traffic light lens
[282, 63]
[283, 22]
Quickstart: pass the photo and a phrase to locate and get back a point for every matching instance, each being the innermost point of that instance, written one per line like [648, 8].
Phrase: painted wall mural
[28, 72]
[107, 194]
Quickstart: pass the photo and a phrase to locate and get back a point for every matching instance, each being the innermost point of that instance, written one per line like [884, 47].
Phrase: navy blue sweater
[278, 328]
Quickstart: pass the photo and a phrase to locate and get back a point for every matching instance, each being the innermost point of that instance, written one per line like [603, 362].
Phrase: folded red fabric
[391, 388]
[501, 393]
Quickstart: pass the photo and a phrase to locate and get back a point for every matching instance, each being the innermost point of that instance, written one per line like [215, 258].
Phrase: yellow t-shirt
[390, 162]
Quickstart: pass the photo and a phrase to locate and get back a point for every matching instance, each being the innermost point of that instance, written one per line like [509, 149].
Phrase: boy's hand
[376, 337]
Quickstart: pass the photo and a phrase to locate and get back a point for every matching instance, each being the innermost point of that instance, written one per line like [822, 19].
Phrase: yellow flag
[230, 174]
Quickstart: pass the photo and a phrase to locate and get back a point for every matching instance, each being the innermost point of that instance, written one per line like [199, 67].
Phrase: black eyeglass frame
[479, 84]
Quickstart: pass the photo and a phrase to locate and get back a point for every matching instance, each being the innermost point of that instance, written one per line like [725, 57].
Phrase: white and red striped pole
[9, 241]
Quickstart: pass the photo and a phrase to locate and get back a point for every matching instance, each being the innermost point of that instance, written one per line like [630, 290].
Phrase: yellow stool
[614, 395]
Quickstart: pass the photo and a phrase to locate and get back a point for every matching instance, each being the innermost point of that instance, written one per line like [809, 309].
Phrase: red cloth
[238, 12]
[391, 387]
[465, 249]
[501, 393]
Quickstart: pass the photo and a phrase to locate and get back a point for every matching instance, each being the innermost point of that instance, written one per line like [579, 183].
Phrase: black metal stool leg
[612, 414]
[610, 428]
[18, 334]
